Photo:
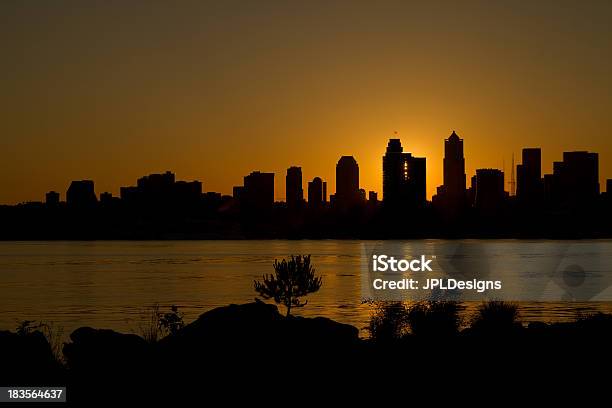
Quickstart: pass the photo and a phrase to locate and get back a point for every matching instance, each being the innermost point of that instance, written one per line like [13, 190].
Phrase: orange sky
[111, 91]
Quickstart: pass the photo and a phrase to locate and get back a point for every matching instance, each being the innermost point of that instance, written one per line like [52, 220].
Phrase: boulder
[103, 350]
[322, 331]
[228, 323]
[27, 359]
[245, 334]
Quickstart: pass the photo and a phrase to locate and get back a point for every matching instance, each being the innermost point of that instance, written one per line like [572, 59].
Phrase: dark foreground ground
[253, 353]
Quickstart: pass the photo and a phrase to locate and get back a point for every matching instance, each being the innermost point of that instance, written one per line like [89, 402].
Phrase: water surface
[111, 284]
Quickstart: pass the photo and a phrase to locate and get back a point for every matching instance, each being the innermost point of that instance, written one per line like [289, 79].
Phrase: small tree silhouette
[292, 280]
[172, 321]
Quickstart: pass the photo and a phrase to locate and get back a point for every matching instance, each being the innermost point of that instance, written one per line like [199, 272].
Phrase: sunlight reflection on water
[110, 283]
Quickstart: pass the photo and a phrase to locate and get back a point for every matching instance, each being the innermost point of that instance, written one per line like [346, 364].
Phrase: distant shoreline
[186, 237]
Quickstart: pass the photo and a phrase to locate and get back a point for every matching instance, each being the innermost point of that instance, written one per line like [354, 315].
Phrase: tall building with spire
[454, 166]
[451, 195]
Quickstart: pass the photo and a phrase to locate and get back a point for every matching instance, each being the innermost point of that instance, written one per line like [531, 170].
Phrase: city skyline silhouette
[110, 92]
[567, 202]
[434, 175]
[454, 173]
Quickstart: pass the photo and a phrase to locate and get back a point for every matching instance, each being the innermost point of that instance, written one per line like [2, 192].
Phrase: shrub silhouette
[172, 321]
[49, 330]
[291, 280]
[156, 324]
[496, 316]
[148, 327]
[434, 318]
[388, 322]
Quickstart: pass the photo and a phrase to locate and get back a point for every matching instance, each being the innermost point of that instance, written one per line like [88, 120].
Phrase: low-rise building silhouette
[237, 192]
[373, 197]
[52, 199]
[81, 194]
[258, 193]
[470, 193]
[108, 201]
[187, 192]
[106, 198]
[157, 184]
[607, 196]
[162, 190]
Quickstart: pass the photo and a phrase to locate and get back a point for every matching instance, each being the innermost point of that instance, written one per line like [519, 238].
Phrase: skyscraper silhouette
[451, 195]
[404, 178]
[317, 191]
[490, 192]
[395, 174]
[293, 187]
[417, 174]
[454, 167]
[530, 186]
[258, 193]
[575, 180]
[325, 192]
[347, 182]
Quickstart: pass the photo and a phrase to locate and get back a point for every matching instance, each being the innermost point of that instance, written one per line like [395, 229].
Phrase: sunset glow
[111, 91]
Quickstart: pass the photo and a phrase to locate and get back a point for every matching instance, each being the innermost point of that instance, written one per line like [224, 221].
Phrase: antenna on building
[512, 178]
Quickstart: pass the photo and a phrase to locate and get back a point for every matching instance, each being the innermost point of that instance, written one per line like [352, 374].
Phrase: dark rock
[259, 324]
[537, 326]
[106, 366]
[323, 331]
[27, 359]
[100, 350]
[251, 334]
[255, 347]
[233, 323]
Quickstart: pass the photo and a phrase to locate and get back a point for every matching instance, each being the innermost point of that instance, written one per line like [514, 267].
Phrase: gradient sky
[113, 90]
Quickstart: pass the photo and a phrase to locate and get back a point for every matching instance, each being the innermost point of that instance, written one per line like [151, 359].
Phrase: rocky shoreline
[252, 346]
